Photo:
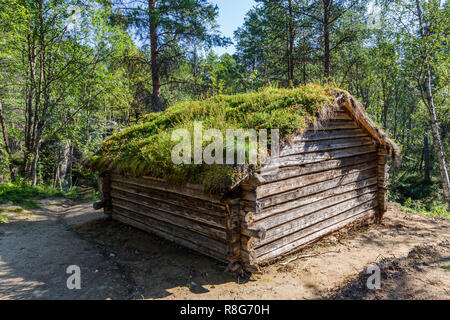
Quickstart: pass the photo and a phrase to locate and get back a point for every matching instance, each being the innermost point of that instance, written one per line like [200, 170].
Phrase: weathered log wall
[326, 179]
[183, 215]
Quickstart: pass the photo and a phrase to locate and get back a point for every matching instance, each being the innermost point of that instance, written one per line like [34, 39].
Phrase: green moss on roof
[145, 148]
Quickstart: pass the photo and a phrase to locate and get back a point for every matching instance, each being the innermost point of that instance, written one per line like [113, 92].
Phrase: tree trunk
[385, 103]
[37, 128]
[291, 39]
[304, 60]
[7, 146]
[439, 150]
[427, 160]
[34, 167]
[30, 100]
[36, 154]
[154, 55]
[326, 39]
[65, 168]
[395, 114]
[429, 102]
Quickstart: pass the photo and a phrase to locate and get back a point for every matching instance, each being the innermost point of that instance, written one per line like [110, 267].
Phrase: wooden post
[382, 155]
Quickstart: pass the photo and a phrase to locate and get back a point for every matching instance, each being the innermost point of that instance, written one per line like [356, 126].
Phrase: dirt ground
[120, 262]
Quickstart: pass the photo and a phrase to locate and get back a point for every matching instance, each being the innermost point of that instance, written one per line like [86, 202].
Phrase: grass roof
[145, 148]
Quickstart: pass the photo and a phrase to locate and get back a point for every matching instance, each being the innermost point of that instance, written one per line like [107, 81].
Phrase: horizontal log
[250, 206]
[159, 184]
[333, 125]
[258, 233]
[295, 171]
[351, 188]
[98, 205]
[330, 134]
[221, 256]
[302, 181]
[188, 213]
[155, 214]
[206, 207]
[305, 220]
[342, 116]
[317, 187]
[325, 145]
[306, 158]
[279, 252]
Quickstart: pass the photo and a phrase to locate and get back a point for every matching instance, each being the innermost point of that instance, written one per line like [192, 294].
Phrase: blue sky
[231, 17]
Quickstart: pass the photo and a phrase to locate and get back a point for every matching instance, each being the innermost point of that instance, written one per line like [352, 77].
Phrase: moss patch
[145, 148]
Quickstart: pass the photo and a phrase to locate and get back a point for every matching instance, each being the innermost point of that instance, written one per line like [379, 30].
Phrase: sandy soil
[120, 262]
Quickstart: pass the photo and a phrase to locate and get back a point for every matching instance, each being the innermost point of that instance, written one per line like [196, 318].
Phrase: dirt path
[120, 262]
[36, 248]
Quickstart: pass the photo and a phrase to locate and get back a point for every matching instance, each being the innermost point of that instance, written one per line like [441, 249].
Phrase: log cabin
[330, 172]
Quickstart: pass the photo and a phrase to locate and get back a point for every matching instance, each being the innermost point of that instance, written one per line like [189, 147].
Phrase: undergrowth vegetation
[415, 196]
[3, 218]
[23, 194]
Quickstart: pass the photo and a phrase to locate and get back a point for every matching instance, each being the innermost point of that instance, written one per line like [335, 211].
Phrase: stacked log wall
[186, 216]
[326, 179]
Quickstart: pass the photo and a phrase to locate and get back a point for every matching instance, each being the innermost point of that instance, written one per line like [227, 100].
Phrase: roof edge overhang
[357, 111]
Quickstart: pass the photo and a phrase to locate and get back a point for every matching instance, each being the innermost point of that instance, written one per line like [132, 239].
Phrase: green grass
[3, 218]
[23, 194]
[447, 267]
[146, 147]
[438, 210]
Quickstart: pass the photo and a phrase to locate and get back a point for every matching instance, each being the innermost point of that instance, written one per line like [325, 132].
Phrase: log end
[98, 205]
[259, 233]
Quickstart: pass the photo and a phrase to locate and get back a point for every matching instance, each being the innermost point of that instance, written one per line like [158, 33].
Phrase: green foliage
[415, 196]
[95, 195]
[3, 218]
[146, 148]
[409, 184]
[437, 210]
[22, 194]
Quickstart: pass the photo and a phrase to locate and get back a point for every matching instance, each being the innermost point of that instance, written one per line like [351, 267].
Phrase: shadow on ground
[420, 275]
[156, 265]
